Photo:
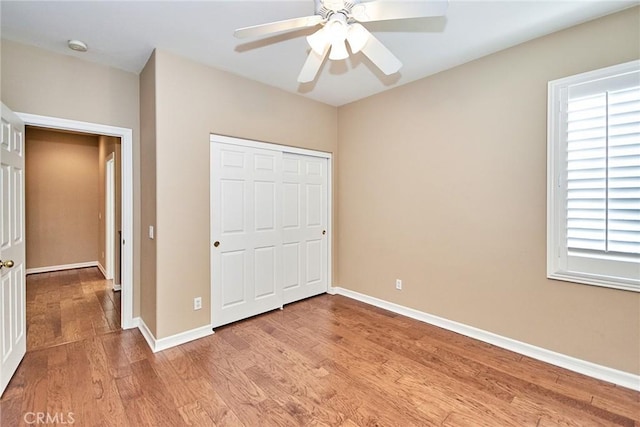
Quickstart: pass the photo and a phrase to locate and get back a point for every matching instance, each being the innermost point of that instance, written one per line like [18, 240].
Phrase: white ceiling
[123, 34]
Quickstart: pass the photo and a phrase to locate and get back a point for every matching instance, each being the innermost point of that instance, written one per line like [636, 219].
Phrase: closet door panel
[246, 232]
[306, 218]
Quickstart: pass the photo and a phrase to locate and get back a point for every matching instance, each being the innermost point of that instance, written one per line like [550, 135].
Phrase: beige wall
[61, 197]
[443, 184]
[148, 193]
[192, 101]
[108, 145]
[39, 82]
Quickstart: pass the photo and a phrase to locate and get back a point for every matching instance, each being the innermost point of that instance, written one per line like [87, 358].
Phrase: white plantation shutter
[587, 173]
[603, 171]
[594, 177]
[624, 171]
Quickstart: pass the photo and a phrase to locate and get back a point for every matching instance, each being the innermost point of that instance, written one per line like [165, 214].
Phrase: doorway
[72, 201]
[126, 241]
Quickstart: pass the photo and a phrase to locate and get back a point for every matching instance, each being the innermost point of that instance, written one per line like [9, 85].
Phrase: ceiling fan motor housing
[327, 8]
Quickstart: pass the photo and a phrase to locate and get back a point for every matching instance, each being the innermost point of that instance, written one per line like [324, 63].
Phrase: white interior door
[305, 216]
[13, 342]
[246, 200]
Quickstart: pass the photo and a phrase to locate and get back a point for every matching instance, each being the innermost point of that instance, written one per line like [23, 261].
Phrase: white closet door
[305, 251]
[246, 231]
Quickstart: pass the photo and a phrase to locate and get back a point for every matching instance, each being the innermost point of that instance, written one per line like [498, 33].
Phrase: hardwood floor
[323, 361]
[70, 305]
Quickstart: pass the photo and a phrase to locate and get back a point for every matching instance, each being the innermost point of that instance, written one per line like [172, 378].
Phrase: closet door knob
[7, 264]
[216, 244]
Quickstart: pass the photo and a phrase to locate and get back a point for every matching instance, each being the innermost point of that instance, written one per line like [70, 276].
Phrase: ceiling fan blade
[382, 10]
[279, 26]
[381, 56]
[312, 65]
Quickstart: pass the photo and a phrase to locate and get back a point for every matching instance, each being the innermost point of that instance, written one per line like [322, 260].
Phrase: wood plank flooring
[70, 305]
[325, 361]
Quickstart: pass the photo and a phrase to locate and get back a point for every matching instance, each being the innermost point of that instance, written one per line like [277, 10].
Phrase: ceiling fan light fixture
[338, 51]
[319, 40]
[357, 36]
[337, 30]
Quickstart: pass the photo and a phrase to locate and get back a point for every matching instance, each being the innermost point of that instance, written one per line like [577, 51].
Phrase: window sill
[605, 282]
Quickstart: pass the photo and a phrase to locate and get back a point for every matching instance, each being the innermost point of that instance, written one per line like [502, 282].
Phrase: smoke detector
[77, 45]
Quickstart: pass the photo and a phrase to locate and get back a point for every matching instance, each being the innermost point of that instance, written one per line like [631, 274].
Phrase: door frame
[224, 139]
[109, 214]
[126, 138]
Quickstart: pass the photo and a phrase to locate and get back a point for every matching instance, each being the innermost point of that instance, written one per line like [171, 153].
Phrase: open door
[13, 336]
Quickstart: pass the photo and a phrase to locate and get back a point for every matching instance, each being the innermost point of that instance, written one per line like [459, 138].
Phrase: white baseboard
[146, 333]
[102, 270]
[51, 268]
[621, 378]
[157, 345]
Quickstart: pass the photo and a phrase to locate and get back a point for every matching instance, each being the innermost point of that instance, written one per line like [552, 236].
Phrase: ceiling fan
[340, 21]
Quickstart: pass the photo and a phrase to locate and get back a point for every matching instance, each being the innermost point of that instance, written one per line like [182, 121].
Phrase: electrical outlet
[398, 284]
[197, 303]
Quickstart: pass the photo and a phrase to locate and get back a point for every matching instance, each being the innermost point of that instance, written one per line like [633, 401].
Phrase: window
[593, 206]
